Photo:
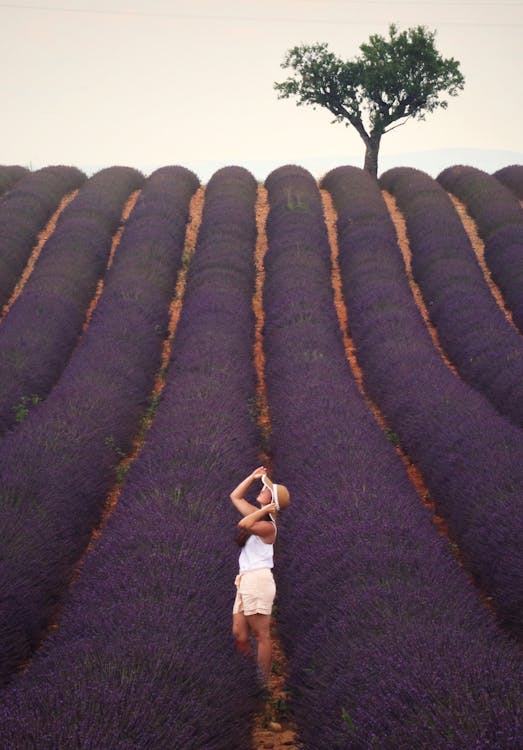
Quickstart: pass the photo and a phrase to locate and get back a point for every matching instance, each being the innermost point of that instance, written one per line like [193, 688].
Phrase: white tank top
[256, 554]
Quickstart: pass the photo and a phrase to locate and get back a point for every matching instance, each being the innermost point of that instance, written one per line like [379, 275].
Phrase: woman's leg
[240, 630]
[261, 627]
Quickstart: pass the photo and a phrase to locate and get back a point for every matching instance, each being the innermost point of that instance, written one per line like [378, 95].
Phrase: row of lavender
[10, 174]
[512, 177]
[472, 328]
[58, 465]
[144, 654]
[470, 456]
[44, 323]
[499, 217]
[24, 211]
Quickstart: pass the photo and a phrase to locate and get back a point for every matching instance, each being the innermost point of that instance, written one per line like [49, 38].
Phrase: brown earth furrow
[478, 246]
[129, 205]
[262, 406]
[272, 727]
[404, 245]
[36, 252]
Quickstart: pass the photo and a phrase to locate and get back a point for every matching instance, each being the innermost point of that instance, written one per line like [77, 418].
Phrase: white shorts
[255, 592]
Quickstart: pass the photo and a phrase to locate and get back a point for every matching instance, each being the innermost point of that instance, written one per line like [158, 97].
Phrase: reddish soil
[191, 235]
[262, 406]
[272, 728]
[403, 242]
[129, 205]
[479, 249]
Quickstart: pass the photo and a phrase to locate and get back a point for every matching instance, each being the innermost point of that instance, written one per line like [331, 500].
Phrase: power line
[464, 3]
[271, 19]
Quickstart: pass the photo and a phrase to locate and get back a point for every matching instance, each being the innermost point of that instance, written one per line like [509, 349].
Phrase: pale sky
[147, 83]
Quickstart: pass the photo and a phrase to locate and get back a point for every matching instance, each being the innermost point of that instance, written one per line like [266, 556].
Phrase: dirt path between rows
[128, 207]
[403, 241]
[478, 246]
[272, 728]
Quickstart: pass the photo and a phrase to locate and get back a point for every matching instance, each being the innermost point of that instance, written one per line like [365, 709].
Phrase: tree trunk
[372, 147]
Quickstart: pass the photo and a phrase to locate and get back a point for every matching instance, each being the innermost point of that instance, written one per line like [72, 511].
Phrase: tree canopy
[393, 80]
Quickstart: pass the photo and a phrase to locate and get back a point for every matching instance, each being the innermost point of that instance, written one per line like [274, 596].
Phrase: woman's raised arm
[237, 495]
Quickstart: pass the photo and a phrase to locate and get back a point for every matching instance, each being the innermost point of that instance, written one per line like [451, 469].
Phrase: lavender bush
[472, 329]
[470, 457]
[24, 212]
[499, 219]
[9, 176]
[144, 656]
[512, 178]
[57, 468]
[388, 644]
[43, 325]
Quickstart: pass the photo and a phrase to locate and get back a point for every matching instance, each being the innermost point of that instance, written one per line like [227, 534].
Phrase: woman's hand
[247, 522]
[259, 472]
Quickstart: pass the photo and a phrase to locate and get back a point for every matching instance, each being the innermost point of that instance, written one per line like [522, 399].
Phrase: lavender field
[158, 339]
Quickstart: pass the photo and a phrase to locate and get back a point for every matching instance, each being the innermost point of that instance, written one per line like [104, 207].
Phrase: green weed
[110, 442]
[295, 202]
[121, 472]
[347, 720]
[22, 409]
[392, 437]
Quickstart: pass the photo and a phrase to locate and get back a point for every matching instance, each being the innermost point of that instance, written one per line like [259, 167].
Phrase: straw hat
[280, 493]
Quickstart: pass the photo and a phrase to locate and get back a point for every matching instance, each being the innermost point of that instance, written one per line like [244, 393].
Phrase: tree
[393, 80]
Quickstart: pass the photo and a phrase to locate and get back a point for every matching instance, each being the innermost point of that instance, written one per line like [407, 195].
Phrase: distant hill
[431, 161]
[437, 160]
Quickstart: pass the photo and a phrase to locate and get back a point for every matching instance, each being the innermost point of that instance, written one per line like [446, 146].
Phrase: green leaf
[347, 720]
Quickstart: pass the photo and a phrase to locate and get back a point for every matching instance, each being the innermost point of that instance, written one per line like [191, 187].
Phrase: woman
[255, 583]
